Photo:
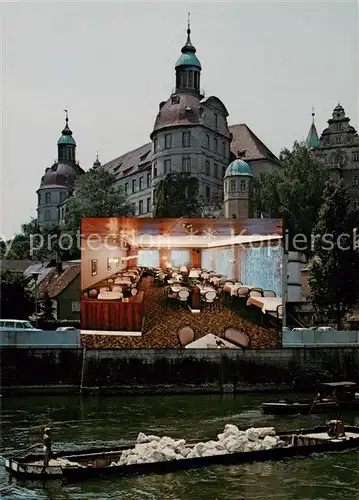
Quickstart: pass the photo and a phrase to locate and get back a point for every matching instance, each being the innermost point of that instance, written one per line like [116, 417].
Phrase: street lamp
[35, 276]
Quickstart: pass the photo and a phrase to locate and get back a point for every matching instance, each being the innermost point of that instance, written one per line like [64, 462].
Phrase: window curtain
[261, 267]
[180, 257]
[206, 259]
[148, 258]
[223, 261]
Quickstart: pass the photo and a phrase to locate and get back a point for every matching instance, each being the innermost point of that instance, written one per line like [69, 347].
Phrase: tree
[295, 193]
[334, 273]
[47, 308]
[177, 196]
[16, 300]
[96, 194]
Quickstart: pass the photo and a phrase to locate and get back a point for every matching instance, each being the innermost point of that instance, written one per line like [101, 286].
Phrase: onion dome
[238, 167]
[188, 56]
[59, 175]
[66, 137]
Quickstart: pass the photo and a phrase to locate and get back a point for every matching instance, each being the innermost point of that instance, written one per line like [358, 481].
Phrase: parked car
[286, 329]
[325, 329]
[304, 329]
[17, 324]
[65, 328]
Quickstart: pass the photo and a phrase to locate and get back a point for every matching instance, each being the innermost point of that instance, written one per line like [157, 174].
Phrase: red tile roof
[54, 284]
[245, 140]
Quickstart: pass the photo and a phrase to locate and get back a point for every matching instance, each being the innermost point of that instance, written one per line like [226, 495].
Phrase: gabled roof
[19, 266]
[130, 162]
[244, 140]
[54, 284]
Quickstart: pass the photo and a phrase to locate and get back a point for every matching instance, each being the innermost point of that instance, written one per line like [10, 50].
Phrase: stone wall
[134, 371]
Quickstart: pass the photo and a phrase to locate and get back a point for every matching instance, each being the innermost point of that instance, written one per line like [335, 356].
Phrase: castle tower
[238, 190]
[58, 182]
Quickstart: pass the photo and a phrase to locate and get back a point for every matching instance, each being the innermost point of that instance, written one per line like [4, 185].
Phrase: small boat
[88, 464]
[332, 396]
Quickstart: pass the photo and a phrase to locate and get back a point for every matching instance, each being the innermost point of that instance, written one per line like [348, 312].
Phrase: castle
[191, 135]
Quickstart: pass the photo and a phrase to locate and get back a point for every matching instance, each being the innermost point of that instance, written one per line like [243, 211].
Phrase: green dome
[238, 167]
[188, 59]
[66, 139]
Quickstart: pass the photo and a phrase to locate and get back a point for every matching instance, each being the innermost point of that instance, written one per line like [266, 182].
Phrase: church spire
[97, 162]
[66, 145]
[188, 47]
[312, 139]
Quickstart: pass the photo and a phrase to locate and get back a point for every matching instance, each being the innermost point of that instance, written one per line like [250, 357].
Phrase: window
[338, 127]
[48, 198]
[155, 170]
[47, 215]
[207, 167]
[62, 196]
[155, 145]
[186, 139]
[226, 186]
[208, 192]
[140, 207]
[356, 156]
[215, 119]
[190, 78]
[39, 199]
[356, 181]
[168, 141]
[338, 140]
[216, 170]
[134, 185]
[223, 148]
[141, 183]
[233, 185]
[242, 185]
[149, 179]
[108, 264]
[167, 167]
[208, 141]
[94, 267]
[126, 187]
[186, 164]
[215, 145]
[75, 306]
[148, 204]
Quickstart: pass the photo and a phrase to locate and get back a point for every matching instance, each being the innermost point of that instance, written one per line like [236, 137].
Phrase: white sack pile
[151, 449]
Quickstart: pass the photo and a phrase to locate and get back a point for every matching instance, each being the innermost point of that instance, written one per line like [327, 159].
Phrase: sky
[111, 64]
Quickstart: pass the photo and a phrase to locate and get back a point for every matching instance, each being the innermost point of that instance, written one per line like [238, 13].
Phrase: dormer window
[338, 127]
[175, 99]
[338, 140]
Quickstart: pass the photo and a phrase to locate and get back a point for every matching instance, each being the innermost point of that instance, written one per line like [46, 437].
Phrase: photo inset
[181, 283]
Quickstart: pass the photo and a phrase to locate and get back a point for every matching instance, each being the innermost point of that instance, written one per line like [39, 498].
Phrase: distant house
[17, 266]
[64, 289]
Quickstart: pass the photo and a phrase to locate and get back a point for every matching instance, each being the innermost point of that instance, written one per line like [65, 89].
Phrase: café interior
[206, 282]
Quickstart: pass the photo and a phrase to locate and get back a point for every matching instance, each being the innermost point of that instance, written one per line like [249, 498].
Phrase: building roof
[247, 145]
[61, 175]
[238, 167]
[243, 140]
[188, 60]
[19, 266]
[54, 284]
[181, 109]
[313, 138]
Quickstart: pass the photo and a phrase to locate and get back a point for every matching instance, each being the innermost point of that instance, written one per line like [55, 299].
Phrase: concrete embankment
[154, 371]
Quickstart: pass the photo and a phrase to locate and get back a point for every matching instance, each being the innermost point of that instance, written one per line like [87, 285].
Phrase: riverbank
[171, 371]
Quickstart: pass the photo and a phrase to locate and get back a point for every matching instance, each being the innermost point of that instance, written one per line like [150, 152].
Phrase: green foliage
[296, 192]
[16, 300]
[177, 196]
[96, 195]
[47, 308]
[334, 270]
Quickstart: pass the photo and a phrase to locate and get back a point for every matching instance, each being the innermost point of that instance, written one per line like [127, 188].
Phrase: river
[93, 420]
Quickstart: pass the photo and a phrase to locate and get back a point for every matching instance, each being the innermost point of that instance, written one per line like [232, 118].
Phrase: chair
[183, 296]
[185, 336]
[134, 291]
[103, 289]
[117, 288]
[209, 298]
[269, 293]
[256, 293]
[218, 299]
[279, 311]
[237, 338]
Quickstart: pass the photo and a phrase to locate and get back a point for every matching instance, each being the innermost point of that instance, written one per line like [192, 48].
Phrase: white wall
[101, 252]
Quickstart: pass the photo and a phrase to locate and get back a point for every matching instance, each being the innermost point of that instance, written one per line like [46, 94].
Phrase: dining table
[211, 341]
